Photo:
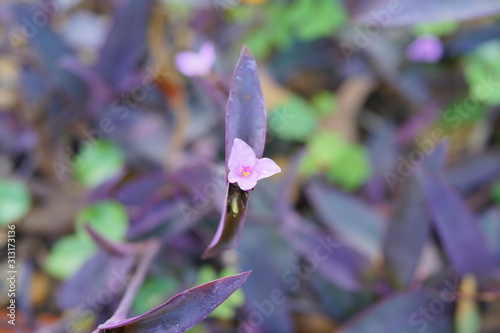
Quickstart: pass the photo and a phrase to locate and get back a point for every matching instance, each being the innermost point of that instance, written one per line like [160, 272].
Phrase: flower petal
[233, 177]
[188, 63]
[207, 55]
[196, 63]
[241, 155]
[248, 183]
[266, 167]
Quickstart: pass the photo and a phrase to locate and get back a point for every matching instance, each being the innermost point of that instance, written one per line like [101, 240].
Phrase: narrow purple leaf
[406, 234]
[456, 226]
[103, 271]
[246, 109]
[410, 225]
[245, 120]
[490, 224]
[342, 265]
[338, 263]
[407, 12]
[408, 312]
[354, 221]
[182, 311]
[111, 246]
[267, 276]
[230, 228]
[475, 172]
[418, 123]
[383, 158]
[126, 43]
[436, 161]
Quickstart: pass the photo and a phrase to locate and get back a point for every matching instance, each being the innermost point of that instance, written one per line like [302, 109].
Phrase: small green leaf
[97, 162]
[67, 255]
[352, 170]
[325, 103]
[496, 192]
[15, 201]
[294, 121]
[482, 71]
[108, 218]
[462, 112]
[326, 149]
[346, 164]
[154, 292]
[260, 44]
[321, 19]
[436, 29]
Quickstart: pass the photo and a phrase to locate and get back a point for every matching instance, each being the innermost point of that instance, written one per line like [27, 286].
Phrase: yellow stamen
[245, 171]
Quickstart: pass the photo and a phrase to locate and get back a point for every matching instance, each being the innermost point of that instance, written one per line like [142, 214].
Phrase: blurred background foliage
[102, 123]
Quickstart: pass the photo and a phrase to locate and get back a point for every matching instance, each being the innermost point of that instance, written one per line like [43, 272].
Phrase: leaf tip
[246, 51]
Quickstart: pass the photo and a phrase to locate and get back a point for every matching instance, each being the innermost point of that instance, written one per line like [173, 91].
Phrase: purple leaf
[246, 109]
[51, 49]
[342, 265]
[407, 12]
[104, 271]
[336, 262]
[126, 43]
[245, 120]
[229, 231]
[408, 312]
[436, 161]
[383, 158]
[267, 276]
[182, 311]
[475, 172]
[418, 123]
[136, 191]
[406, 234]
[456, 226]
[354, 221]
[410, 225]
[490, 224]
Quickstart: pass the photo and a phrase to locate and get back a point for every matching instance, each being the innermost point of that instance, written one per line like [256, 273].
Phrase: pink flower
[425, 49]
[196, 63]
[246, 169]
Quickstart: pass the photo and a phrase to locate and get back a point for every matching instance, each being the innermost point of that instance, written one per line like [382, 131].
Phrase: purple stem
[149, 250]
[115, 247]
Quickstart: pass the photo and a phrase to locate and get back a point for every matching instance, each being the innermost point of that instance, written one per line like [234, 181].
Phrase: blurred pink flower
[196, 63]
[425, 49]
[246, 169]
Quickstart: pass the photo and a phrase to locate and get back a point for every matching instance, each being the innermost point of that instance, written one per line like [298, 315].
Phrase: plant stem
[151, 248]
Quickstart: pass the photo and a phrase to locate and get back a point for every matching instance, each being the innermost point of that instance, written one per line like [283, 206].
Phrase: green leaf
[67, 255]
[482, 71]
[15, 201]
[346, 164]
[325, 103]
[294, 121]
[352, 170]
[464, 111]
[108, 218]
[97, 162]
[496, 192]
[324, 150]
[436, 29]
[154, 292]
[321, 19]
[260, 44]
